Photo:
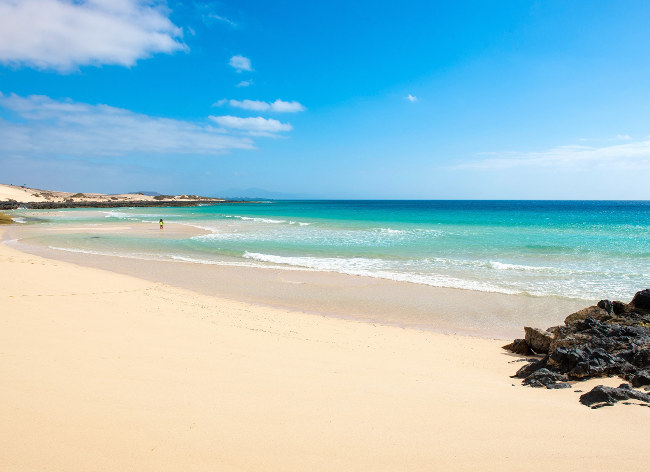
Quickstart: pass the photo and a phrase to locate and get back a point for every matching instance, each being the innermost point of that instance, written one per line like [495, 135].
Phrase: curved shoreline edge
[368, 299]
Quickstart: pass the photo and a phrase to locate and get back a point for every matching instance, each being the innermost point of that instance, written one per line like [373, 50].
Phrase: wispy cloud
[244, 83]
[257, 125]
[65, 34]
[240, 63]
[220, 18]
[623, 137]
[632, 155]
[278, 106]
[39, 126]
[411, 98]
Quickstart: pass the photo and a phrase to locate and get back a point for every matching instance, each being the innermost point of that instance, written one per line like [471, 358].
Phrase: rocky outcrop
[538, 340]
[601, 396]
[641, 301]
[594, 312]
[610, 339]
[519, 346]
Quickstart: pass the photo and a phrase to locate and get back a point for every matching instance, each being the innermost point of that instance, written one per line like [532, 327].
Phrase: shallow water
[581, 250]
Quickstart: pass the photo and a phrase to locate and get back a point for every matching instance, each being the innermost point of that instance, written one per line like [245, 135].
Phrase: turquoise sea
[576, 249]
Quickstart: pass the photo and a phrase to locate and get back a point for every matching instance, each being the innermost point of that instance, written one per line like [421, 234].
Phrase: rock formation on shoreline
[608, 339]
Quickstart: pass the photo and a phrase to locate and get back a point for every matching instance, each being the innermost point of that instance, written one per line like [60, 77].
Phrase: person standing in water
[161, 223]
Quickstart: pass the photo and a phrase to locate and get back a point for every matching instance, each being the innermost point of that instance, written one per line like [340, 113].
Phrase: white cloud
[633, 155]
[279, 106]
[46, 127]
[64, 34]
[256, 125]
[411, 98]
[240, 63]
[623, 137]
[286, 107]
[245, 83]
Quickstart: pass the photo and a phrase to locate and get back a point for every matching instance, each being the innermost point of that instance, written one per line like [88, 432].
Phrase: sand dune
[30, 195]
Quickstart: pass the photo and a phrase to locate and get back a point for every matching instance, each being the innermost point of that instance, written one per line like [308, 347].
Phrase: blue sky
[337, 99]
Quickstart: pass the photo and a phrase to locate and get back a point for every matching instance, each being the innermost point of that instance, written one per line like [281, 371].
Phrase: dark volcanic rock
[601, 396]
[543, 378]
[641, 300]
[585, 362]
[558, 385]
[519, 346]
[618, 307]
[534, 365]
[606, 305]
[640, 378]
[610, 339]
[538, 340]
[590, 312]
[641, 357]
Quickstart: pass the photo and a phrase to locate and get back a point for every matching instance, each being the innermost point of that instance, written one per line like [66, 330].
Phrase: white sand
[105, 372]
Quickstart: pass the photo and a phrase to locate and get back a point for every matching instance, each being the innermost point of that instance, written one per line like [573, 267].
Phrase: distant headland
[14, 196]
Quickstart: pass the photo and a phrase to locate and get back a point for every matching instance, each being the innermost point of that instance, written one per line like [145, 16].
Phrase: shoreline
[372, 300]
[119, 373]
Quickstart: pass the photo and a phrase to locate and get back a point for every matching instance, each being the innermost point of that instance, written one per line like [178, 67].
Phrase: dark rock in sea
[601, 396]
[538, 340]
[519, 346]
[618, 307]
[611, 339]
[641, 300]
[606, 305]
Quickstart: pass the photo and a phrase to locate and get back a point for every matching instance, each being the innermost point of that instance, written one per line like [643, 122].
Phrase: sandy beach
[324, 236]
[102, 371]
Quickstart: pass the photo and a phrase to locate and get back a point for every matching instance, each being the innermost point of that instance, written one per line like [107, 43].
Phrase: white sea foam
[376, 269]
[267, 220]
[256, 219]
[319, 235]
[134, 216]
[19, 219]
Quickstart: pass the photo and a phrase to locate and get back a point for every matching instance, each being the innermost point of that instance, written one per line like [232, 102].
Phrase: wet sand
[402, 304]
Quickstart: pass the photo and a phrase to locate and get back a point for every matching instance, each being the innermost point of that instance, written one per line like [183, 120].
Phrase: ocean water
[583, 250]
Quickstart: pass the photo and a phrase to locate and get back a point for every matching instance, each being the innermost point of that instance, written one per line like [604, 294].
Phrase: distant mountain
[260, 193]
